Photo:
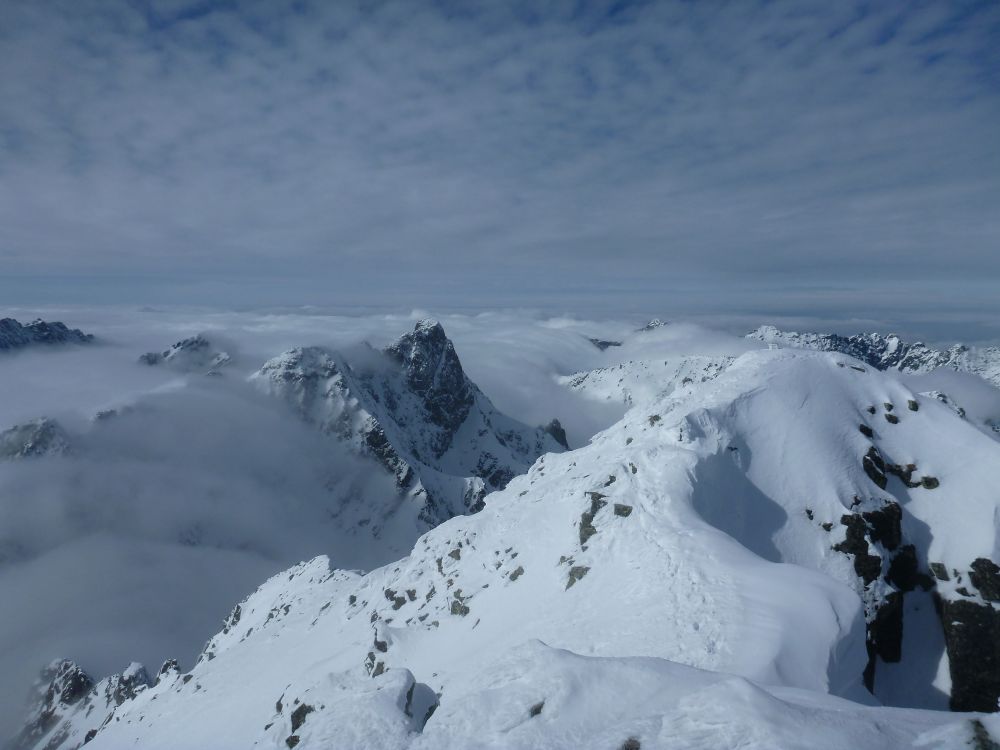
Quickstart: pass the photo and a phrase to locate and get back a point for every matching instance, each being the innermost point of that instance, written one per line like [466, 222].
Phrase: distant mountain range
[890, 352]
[14, 335]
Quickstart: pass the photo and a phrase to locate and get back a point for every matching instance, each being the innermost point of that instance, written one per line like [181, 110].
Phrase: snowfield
[730, 565]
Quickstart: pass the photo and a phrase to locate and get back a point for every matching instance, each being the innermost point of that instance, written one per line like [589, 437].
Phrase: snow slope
[635, 381]
[723, 567]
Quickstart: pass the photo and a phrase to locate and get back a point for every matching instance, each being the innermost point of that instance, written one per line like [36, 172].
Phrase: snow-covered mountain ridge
[192, 354]
[14, 335]
[888, 352]
[412, 407]
[715, 568]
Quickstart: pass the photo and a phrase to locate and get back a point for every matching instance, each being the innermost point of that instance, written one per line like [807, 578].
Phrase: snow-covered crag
[412, 407]
[195, 354]
[14, 335]
[40, 437]
[889, 352]
[726, 566]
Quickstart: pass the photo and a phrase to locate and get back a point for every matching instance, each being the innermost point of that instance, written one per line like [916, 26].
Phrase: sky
[817, 161]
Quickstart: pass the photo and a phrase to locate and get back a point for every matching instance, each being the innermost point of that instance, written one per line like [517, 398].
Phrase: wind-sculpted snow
[413, 409]
[14, 335]
[635, 381]
[724, 567]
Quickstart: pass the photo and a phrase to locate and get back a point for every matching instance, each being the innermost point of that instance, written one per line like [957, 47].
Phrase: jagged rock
[904, 571]
[887, 631]
[169, 668]
[866, 431]
[904, 473]
[972, 639]
[929, 483]
[985, 576]
[981, 738]
[867, 566]
[587, 528]
[188, 355]
[652, 325]
[602, 344]
[874, 467]
[555, 429]
[885, 525]
[940, 571]
[299, 716]
[42, 437]
[61, 686]
[576, 573]
[13, 335]
[122, 687]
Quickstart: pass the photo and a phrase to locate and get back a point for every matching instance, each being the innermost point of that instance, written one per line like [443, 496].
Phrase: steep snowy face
[412, 407]
[889, 352]
[892, 480]
[714, 568]
[195, 354]
[13, 335]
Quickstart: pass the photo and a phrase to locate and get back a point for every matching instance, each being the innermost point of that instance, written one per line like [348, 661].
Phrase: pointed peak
[428, 326]
[652, 325]
[557, 432]
[427, 341]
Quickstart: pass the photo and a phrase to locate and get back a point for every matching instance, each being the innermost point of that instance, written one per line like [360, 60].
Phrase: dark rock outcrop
[867, 566]
[972, 639]
[874, 467]
[61, 686]
[555, 429]
[985, 576]
[603, 344]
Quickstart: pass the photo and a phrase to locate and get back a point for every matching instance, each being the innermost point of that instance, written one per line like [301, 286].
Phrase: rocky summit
[412, 408]
[194, 354]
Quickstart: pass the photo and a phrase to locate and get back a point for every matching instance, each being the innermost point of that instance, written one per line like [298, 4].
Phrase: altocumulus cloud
[490, 153]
